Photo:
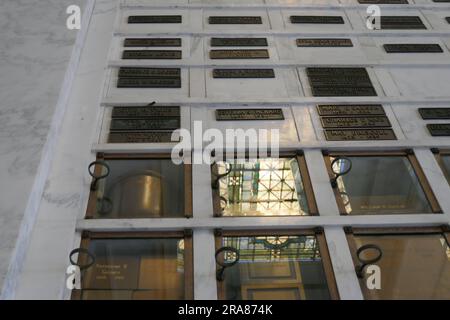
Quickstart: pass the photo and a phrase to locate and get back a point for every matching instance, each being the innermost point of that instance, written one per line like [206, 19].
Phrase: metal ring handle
[215, 184]
[366, 262]
[97, 178]
[227, 264]
[80, 251]
[337, 175]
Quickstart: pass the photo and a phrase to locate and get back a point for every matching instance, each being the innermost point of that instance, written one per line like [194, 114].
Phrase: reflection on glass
[275, 267]
[263, 187]
[446, 166]
[134, 269]
[412, 266]
[377, 184]
[141, 189]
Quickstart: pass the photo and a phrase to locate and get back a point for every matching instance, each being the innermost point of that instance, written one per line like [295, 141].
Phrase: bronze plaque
[352, 109]
[148, 83]
[383, 1]
[146, 112]
[249, 114]
[343, 92]
[155, 19]
[135, 72]
[152, 42]
[327, 71]
[239, 54]
[239, 42]
[151, 54]
[141, 137]
[317, 19]
[144, 124]
[235, 20]
[356, 122]
[434, 113]
[413, 48]
[439, 130]
[340, 81]
[359, 134]
[243, 73]
[401, 22]
[441, 1]
[324, 42]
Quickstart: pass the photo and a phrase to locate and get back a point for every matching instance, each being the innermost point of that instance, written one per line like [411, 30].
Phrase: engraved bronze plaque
[401, 22]
[340, 81]
[434, 113]
[145, 124]
[439, 130]
[146, 112]
[326, 71]
[383, 1]
[136, 72]
[243, 73]
[151, 54]
[239, 54]
[141, 137]
[154, 19]
[148, 83]
[235, 20]
[413, 48]
[249, 114]
[239, 42]
[359, 134]
[356, 122]
[324, 42]
[317, 19]
[439, 1]
[152, 42]
[343, 92]
[352, 109]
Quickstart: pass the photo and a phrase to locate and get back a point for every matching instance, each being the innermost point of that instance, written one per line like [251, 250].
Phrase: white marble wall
[35, 51]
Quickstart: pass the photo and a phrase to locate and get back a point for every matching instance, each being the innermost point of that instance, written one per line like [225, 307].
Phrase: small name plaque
[239, 42]
[317, 19]
[439, 130]
[356, 122]
[239, 54]
[401, 22]
[249, 114]
[148, 83]
[145, 124]
[132, 72]
[235, 20]
[243, 73]
[145, 112]
[413, 48]
[383, 1]
[359, 134]
[324, 42]
[151, 54]
[348, 110]
[434, 113]
[155, 19]
[141, 137]
[152, 42]
[343, 92]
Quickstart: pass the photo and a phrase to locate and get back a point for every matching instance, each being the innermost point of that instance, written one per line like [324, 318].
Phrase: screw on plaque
[220, 274]
[340, 166]
[365, 262]
[103, 164]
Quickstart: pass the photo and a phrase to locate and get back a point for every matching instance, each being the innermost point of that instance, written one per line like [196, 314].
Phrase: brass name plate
[317, 19]
[434, 113]
[132, 72]
[249, 114]
[151, 54]
[155, 19]
[323, 42]
[239, 42]
[439, 130]
[413, 48]
[146, 112]
[359, 134]
[148, 83]
[152, 42]
[443, 1]
[243, 73]
[239, 54]
[325, 71]
[141, 137]
[401, 22]
[340, 81]
[235, 20]
[343, 92]
[348, 110]
[144, 124]
[383, 1]
[356, 122]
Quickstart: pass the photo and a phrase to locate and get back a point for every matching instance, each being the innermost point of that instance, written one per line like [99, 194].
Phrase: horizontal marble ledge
[261, 223]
